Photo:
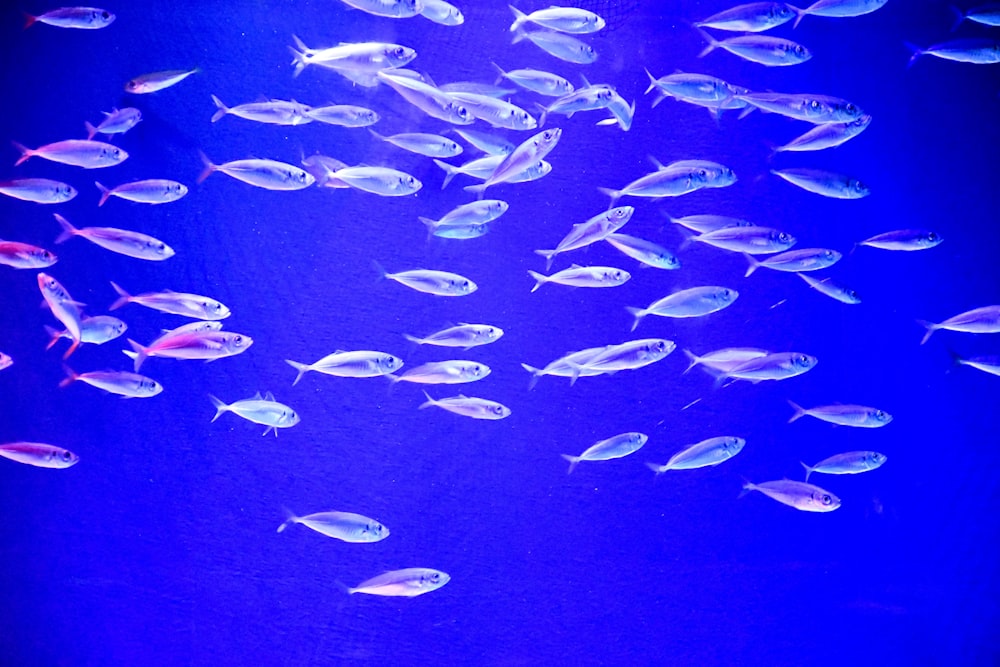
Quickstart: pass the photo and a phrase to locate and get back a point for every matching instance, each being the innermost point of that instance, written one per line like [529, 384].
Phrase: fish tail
[382, 273]
[223, 109]
[753, 265]
[428, 403]
[298, 56]
[915, 52]
[808, 470]
[29, 20]
[713, 43]
[652, 82]
[658, 469]
[519, 35]
[693, 358]
[799, 411]
[931, 328]
[548, 255]
[536, 373]
[68, 229]
[748, 486]
[519, 18]
[209, 167]
[140, 352]
[614, 194]
[539, 279]
[573, 460]
[480, 190]
[301, 368]
[105, 193]
[220, 407]
[91, 130]
[432, 225]
[413, 339]
[450, 172]
[393, 379]
[959, 17]
[799, 15]
[290, 518]
[72, 348]
[638, 314]
[123, 297]
[54, 336]
[71, 376]
[956, 358]
[501, 74]
[26, 153]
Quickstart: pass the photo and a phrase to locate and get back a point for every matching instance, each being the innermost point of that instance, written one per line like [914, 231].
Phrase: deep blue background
[159, 547]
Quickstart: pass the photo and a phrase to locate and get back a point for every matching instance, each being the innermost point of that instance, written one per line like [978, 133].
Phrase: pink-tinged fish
[206, 345]
[24, 256]
[115, 122]
[407, 583]
[83, 18]
[38, 454]
[121, 241]
[150, 191]
[76, 152]
[123, 383]
[5, 361]
[63, 307]
[176, 303]
[38, 190]
[95, 330]
[267, 174]
[150, 83]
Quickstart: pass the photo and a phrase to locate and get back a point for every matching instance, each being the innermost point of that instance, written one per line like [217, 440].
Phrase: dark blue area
[159, 547]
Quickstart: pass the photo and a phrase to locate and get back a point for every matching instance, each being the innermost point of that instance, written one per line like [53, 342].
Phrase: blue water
[159, 546]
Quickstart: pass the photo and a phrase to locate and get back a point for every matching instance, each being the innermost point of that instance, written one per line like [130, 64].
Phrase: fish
[831, 289]
[977, 51]
[808, 107]
[24, 256]
[39, 454]
[646, 252]
[274, 112]
[176, 303]
[464, 230]
[357, 61]
[354, 364]
[75, 152]
[844, 415]
[749, 240]
[322, 168]
[631, 355]
[837, 9]
[989, 364]
[561, 19]
[394, 9]
[724, 360]
[571, 365]
[704, 224]
[621, 112]
[453, 371]
[767, 51]
[469, 406]
[442, 12]
[465, 336]
[801, 496]
[498, 113]
[475, 213]
[439, 283]
[676, 179]
[266, 174]
[487, 143]
[803, 259]
[483, 168]
[6, 361]
[38, 190]
[429, 145]
[691, 302]
[82, 18]
[591, 231]
[409, 582]
[477, 88]
[63, 308]
[259, 410]
[206, 345]
[978, 320]
[126, 385]
[848, 463]
[752, 17]
[775, 366]
[344, 115]
[117, 121]
[156, 81]
[706, 453]
[561, 46]
[827, 135]
[826, 183]
[95, 330]
[344, 526]
[121, 241]
[589, 98]
[427, 98]
[615, 447]
[988, 14]
[537, 81]
[904, 239]
[702, 90]
[583, 276]
[527, 153]
[379, 180]
[150, 191]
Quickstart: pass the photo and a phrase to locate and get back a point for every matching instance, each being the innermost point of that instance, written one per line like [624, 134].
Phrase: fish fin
[652, 82]
[26, 153]
[614, 194]
[91, 130]
[931, 328]
[519, 35]
[29, 20]
[55, 336]
[748, 486]
[548, 255]
[450, 172]
[68, 229]
[208, 170]
[754, 263]
[290, 518]
[301, 368]
[269, 429]
[140, 354]
[573, 460]
[298, 58]
[393, 379]
[413, 339]
[539, 279]
[915, 52]
[220, 407]
[223, 109]
[382, 273]
[71, 376]
[658, 469]
[502, 74]
[72, 348]
[376, 135]
[519, 18]
[809, 470]
[268, 396]
[959, 17]
[713, 43]
[105, 193]
[479, 190]
[799, 412]
[638, 314]
[428, 403]
[544, 114]
[693, 358]
[123, 297]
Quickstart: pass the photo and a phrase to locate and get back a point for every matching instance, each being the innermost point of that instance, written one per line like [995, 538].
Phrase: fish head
[525, 120]
[587, 52]
[929, 239]
[619, 215]
[475, 371]
[824, 501]
[732, 445]
[874, 460]
[499, 411]
[213, 309]
[43, 257]
[176, 190]
[160, 249]
[830, 257]
[113, 154]
[63, 458]
[780, 13]
[880, 417]
[658, 348]
[399, 55]
[616, 277]
[666, 260]
[100, 17]
[460, 114]
[803, 361]
[49, 285]
[461, 286]
[64, 192]
[432, 579]
[489, 334]
[783, 239]
[374, 531]
[150, 387]
[235, 343]
[133, 86]
[798, 52]
[388, 363]
[726, 295]
[288, 417]
[637, 440]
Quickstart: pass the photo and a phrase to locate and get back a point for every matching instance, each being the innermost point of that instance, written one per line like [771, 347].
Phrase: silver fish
[96, 330]
[723, 360]
[706, 453]
[273, 112]
[477, 212]
[322, 168]
[752, 17]
[156, 81]
[394, 9]
[176, 303]
[483, 168]
[831, 289]
[826, 183]
[442, 12]
[827, 135]
[354, 364]
[848, 463]
[358, 61]
[804, 259]
[266, 174]
[561, 19]
[776, 366]
[528, 153]
[593, 230]
[904, 239]
[844, 415]
[767, 51]
[127, 385]
[453, 371]
[464, 230]
[121, 241]
[498, 113]
[409, 582]
[799, 495]
[24, 256]
[990, 364]
[487, 143]
[76, 152]
[590, 98]
[430, 145]
[379, 180]
[615, 447]
[837, 9]
[440, 283]
[979, 320]
[427, 98]
[38, 454]
[260, 410]
[988, 14]
[63, 308]
[469, 406]
[583, 276]
[816, 109]
[38, 190]
[150, 191]
[117, 121]
[977, 51]
[702, 90]
[571, 365]
[676, 179]
[692, 302]
[206, 345]
[703, 224]
[82, 18]
[537, 81]
[559, 45]
[630, 355]
[344, 115]
[465, 336]
[344, 526]
[750, 240]
[647, 252]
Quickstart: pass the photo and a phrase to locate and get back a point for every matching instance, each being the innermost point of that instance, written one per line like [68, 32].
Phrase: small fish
[537, 81]
[266, 174]
[692, 302]
[706, 453]
[804, 259]
[357, 62]
[831, 289]
[527, 153]
[117, 121]
[752, 17]
[487, 143]
[273, 112]
[990, 364]
[977, 51]
[76, 152]
[583, 276]
[63, 308]
[464, 230]
[904, 239]
[647, 252]
[483, 168]
[442, 12]
[563, 47]
[724, 360]
[260, 410]
[38, 454]
[848, 463]
[176, 303]
[561, 19]
[621, 112]
[498, 113]
[433, 102]
[24, 256]
[344, 115]
[344, 526]
[799, 495]
[393, 9]
[844, 415]
[465, 336]
[127, 385]
[988, 14]
[83, 18]
[826, 183]
[38, 190]
[827, 135]
[572, 366]
[95, 330]
[837, 9]
[767, 51]
[156, 81]
[590, 98]
[379, 180]
[469, 406]
[151, 191]
[6, 361]
[409, 582]
[430, 145]
[355, 364]
[121, 241]
[979, 320]
[207, 345]
[453, 371]
[702, 90]
[704, 224]
[749, 240]
[816, 109]
[631, 355]
[776, 366]
[591, 231]
[322, 169]
[676, 179]
[475, 213]
[440, 283]
[613, 448]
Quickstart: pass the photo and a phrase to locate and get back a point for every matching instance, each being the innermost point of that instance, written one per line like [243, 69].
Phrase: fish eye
[850, 107]
[238, 339]
[66, 456]
[827, 500]
[783, 237]
[465, 284]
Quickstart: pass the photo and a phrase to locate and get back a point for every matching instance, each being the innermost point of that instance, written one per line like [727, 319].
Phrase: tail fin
[299, 53]
[68, 229]
[71, 376]
[141, 353]
[26, 153]
[931, 328]
[713, 43]
[91, 130]
[428, 403]
[573, 461]
[799, 15]
[638, 314]
[220, 407]
[519, 18]
[754, 264]
[432, 225]
[544, 114]
[54, 336]
[915, 52]
[29, 20]
[535, 374]
[614, 194]
[809, 470]
[450, 172]
[799, 412]
[413, 339]
[659, 470]
[479, 190]
[123, 297]
[105, 193]
[209, 167]
[519, 35]
[301, 368]
[223, 109]
[652, 82]
[748, 486]
[539, 279]
[959, 17]
[502, 74]
[548, 255]
[693, 358]
[290, 518]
